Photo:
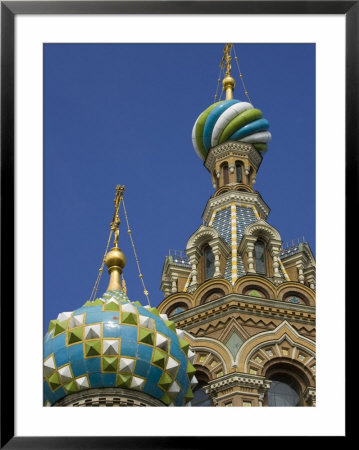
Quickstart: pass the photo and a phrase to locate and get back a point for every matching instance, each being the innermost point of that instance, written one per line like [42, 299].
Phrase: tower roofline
[240, 197]
[236, 148]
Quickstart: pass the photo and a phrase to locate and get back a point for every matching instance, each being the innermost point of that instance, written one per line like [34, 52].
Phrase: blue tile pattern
[245, 216]
[222, 222]
[70, 358]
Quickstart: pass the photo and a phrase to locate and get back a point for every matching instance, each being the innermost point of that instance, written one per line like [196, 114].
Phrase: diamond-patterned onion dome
[230, 120]
[115, 342]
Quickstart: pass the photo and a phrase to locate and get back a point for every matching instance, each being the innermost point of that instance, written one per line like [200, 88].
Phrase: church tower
[245, 301]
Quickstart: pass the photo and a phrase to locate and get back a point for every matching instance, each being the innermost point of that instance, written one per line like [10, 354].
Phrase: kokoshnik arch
[237, 323]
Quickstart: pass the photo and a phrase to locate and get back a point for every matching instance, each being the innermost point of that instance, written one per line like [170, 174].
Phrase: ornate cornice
[239, 149]
[232, 303]
[260, 227]
[170, 266]
[229, 197]
[237, 379]
[203, 234]
[108, 397]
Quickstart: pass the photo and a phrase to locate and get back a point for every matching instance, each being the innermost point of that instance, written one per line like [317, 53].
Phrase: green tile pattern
[114, 342]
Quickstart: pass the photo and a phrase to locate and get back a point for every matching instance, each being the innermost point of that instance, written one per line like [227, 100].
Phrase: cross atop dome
[228, 82]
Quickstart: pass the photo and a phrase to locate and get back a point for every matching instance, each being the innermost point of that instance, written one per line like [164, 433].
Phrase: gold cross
[116, 221]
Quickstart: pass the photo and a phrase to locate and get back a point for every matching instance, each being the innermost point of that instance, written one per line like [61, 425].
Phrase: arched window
[238, 172]
[284, 391]
[208, 263]
[260, 257]
[225, 173]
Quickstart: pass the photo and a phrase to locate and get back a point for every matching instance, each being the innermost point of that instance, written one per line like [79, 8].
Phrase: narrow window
[259, 257]
[225, 173]
[215, 179]
[238, 172]
[208, 263]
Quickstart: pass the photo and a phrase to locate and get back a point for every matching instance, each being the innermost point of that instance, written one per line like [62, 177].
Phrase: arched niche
[212, 294]
[215, 285]
[295, 289]
[176, 308]
[295, 298]
[255, 291]
[252, 282]
[178, 298]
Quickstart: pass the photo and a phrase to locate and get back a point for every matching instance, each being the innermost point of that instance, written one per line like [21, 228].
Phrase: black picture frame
[9, 9]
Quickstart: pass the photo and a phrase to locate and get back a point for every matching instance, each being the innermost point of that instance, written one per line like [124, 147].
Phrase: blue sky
[123, 114]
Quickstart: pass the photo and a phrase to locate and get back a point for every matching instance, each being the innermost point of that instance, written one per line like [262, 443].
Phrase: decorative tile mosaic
[114, 342]
[234, 343]
[222, 221]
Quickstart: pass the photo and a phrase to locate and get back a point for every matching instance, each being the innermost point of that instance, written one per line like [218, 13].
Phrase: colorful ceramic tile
[127, 365]
[109, 363]
[74, 335]
[65, 373]
[93, 347]
[110, 346]
[49, 365]
[82, 382]
[145, 336]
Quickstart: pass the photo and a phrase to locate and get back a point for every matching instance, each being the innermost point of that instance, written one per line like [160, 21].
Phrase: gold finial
[228, 82]
[115, 259]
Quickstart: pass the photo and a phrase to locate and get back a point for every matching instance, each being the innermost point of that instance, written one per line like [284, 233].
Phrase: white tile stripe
[212, 218]
[256, 212]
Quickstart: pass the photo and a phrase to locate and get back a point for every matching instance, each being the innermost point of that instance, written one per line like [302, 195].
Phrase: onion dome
[113, 342]
[230, 120]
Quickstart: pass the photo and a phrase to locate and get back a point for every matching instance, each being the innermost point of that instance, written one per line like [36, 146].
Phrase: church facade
[237, 323]
[246, 302]
[247, 305]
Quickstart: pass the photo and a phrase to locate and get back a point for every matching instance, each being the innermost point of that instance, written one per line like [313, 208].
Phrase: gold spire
[115, 259]
[228, 82]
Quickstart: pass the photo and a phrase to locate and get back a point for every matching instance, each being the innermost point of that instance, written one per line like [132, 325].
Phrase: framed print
[100, 103]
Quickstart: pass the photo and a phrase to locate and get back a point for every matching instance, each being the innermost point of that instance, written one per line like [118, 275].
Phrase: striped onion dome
[113, 342]
[230, 120]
